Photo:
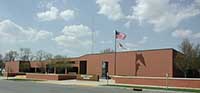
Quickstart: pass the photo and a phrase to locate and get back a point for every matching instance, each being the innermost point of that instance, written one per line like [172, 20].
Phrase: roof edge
[133, 51]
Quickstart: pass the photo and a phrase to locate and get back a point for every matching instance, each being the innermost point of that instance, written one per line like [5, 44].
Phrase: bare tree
[182, 64]
[40, 55]
[25, 54]
[196, 58]
[185, 61]
[197, 64]
[1, 58]
[48, 56]
[59, 57]
[32, 57]
[11, 55]
[1, 63]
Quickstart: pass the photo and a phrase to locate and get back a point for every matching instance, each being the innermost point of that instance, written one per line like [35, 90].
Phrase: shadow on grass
[157, 88]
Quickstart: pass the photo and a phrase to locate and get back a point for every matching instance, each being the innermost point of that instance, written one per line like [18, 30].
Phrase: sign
[86, 76]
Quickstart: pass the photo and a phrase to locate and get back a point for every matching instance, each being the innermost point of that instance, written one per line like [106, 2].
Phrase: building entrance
[83, 67]
[104, 69]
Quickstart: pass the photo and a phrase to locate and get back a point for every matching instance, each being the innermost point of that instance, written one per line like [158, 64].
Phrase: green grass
[23, 80]
[157, 88]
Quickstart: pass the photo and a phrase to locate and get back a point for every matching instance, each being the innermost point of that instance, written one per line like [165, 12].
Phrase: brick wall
[49, 76]
[12, 67]
[160, 81]
[154, 63]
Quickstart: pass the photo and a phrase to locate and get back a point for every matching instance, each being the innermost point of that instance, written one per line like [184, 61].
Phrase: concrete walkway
[79, 82]
[1, 78]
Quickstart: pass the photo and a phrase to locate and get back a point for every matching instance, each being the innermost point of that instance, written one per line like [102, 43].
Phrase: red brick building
[147, 63]
[146, 67]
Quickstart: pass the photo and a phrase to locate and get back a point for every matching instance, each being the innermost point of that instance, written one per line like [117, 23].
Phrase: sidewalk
[17, 77]
[1, 77]
[79, 82]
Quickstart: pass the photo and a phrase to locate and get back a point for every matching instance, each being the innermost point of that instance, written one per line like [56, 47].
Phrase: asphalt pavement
[7, 86]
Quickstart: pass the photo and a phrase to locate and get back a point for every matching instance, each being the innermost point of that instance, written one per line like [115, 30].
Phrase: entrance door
[104, 69]
[83, 67]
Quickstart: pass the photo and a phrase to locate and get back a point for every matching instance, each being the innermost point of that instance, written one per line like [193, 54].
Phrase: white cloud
[137, 44]
[77, 30]
[197, 35]
[106, 42]
[197, 2]
[182, 33]
[131, 45]
[48, 15]
[110, 8]
[43, 35]
[185, 33]
[144, 40]
[161, 14]
[67, 14]
[46, 3]
[13, 33]
[75, 38]
[53, 13]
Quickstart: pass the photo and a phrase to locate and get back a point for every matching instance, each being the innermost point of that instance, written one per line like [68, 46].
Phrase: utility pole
[92, 35]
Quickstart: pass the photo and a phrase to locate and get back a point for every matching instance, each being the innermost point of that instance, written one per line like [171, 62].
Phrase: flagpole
[121, 36]
[115, 55]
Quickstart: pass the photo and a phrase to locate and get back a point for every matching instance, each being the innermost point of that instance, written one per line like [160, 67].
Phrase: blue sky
[66, 26]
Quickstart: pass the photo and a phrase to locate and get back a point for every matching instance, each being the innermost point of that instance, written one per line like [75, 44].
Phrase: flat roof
[130, 51]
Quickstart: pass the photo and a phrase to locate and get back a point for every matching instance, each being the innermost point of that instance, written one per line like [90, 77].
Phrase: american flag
[120, 35]
[121, 46]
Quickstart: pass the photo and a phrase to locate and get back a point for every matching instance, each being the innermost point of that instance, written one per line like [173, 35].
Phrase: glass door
[104, 69]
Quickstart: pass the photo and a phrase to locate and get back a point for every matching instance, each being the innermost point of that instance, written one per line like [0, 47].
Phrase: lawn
[157, 88]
